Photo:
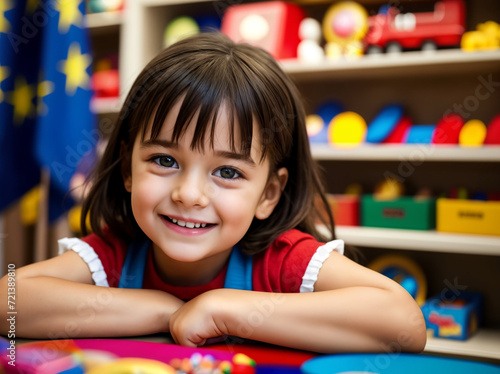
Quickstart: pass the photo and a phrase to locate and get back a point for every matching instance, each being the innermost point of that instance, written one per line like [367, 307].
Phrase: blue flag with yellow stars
[45, 119]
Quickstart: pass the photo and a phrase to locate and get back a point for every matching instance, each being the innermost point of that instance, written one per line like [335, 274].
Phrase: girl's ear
[125, 166]
[272, 193]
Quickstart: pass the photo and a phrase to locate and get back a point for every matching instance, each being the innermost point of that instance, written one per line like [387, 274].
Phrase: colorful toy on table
[486, 37]
[309, 49]
[397, 136]
[395, 31]
[453, 316]
[384, 123]
[448, 129]
[394, 363]
[472, 133]
[179, 28]
[404, 271]
[344, 26]
[493, 132]
[99, 6]
[419, 134]
[273, 26]
[317, 124]
[347, 129]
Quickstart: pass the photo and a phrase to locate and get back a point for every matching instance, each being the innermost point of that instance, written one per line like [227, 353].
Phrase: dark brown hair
[208, 70]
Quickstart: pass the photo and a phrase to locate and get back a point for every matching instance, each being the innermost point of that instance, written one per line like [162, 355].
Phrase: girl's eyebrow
[223, 154]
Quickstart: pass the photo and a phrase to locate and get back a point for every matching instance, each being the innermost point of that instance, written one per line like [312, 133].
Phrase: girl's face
[195, 205]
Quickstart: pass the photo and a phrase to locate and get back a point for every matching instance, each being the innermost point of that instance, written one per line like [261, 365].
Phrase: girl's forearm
[344, 320]
[51, 308]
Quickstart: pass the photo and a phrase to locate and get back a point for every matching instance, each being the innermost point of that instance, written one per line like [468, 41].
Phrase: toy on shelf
[468, 216]
[404, 271]
[453, 316]
[486, 37]
[394, 31]
[472, 133]
[384, 123]
[419, 134]
[344, 209]
[105, 80]
[317, 124]
[309, 49]
[493, 132]
[388, 189]
[347, 129]
[344, 26]
[99, 6]
[273, 26]
[398, 133]
[448, 129]
[179, 28]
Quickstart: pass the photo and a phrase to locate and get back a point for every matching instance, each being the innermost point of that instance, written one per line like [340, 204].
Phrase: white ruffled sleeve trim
[87, 253]
[322, 253]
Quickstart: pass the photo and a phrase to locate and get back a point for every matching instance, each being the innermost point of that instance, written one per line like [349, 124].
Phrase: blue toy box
[453, 316]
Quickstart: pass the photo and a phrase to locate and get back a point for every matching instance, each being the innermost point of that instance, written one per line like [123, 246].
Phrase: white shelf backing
[419, 240]
[484, 344]
[396, 152]
[104, 19]
[403, 63]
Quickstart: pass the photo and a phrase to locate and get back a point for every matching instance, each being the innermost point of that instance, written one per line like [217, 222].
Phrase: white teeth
[189, 225]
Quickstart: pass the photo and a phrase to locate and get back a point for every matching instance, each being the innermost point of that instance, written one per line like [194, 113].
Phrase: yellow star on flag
[5, 5]
[4, 73]
[22, 100]
[31, 6]
[45, 88]
[75, 69]
[69, 14]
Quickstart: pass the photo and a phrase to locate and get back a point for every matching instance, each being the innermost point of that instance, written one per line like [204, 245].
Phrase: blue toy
[420, 134]
[394, 363]
[384, 123]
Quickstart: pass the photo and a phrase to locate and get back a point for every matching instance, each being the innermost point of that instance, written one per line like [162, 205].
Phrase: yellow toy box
[468, 216]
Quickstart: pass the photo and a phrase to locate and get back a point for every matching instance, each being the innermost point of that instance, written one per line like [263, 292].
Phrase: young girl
[204, 223]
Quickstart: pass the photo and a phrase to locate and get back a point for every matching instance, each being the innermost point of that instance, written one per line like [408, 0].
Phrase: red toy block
[273, 26]
[448, 129]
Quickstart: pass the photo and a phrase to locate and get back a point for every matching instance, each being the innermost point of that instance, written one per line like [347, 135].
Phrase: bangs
[206, 89]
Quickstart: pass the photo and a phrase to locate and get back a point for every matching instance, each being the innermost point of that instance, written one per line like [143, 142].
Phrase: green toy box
[405, 212]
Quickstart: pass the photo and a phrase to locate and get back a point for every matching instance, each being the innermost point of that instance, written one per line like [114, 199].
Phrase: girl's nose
[191, 191]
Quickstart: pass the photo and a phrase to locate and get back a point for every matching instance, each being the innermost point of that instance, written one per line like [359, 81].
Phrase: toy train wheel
[394, 47]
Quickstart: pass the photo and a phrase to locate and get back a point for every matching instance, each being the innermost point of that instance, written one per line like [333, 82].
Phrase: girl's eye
[227, 173]
[166, 161]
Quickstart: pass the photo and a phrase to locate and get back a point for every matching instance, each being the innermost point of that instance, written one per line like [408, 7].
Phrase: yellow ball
[347, 129]
[472, 134]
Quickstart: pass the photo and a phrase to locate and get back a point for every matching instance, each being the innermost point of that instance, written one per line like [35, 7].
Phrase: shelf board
[104, 19]
[484, 344]
[419, 240]
[414, 63]
[105, 105]
[396, 152]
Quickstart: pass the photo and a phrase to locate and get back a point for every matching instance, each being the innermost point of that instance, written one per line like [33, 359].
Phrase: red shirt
[280, 268]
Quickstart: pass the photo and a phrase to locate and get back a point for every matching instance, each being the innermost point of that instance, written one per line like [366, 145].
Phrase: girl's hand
[201, 318]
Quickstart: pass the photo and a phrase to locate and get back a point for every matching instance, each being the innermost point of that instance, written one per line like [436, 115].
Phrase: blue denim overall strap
[239, 270]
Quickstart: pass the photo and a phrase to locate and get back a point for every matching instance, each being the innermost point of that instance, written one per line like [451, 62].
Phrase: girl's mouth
[189, 225]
